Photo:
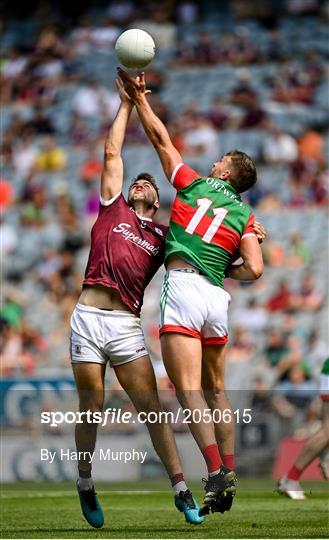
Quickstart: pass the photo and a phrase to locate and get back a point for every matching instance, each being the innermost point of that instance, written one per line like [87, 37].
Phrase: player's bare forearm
[116, 134]
[244, 272]
[252, 266]
[158, 135]
[153, 126]
[112, 174]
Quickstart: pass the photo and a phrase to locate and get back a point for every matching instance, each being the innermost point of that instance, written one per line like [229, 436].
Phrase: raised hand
[122, 93]
[259, 231]
[135, 88]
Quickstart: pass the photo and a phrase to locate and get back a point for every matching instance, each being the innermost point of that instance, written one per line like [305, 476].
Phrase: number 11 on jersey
[203, 207]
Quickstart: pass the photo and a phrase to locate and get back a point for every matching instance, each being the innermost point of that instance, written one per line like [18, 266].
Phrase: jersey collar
[143, 218]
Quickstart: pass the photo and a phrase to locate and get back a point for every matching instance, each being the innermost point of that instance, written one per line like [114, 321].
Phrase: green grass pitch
[145, 510]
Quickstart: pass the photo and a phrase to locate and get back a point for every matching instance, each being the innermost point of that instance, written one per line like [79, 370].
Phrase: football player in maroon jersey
[126, 250]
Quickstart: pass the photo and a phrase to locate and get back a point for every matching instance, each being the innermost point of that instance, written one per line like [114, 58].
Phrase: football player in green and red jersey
[209, 226]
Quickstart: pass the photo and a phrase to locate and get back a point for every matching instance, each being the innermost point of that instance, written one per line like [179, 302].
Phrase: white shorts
[191, 304]
[99, 336]
[324, 387]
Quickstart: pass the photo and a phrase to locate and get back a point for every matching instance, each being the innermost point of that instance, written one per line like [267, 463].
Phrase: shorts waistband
[188, 271]
[105, 312]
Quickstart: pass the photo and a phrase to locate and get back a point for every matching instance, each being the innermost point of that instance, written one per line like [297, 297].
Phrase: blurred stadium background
[232, 74]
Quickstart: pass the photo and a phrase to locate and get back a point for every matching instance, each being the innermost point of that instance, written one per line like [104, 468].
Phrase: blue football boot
[186, 503]
[90, 507]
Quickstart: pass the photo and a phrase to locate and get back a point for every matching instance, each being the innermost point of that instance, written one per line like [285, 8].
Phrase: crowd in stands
[266, 93]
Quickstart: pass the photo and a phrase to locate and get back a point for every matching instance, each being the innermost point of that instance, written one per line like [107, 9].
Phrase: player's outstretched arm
[252, 266]
[112, 174]
[154, 128]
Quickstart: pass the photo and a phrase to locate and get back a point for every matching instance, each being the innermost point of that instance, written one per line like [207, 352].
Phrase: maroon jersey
[125, 253]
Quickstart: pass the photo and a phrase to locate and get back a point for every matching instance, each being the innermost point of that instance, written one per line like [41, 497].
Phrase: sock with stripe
[178, 483]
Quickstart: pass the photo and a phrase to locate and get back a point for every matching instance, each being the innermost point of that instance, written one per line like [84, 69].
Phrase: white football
[135, 48]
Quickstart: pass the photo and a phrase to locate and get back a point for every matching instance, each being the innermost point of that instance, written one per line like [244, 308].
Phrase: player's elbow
[256, 270]
[111, 152]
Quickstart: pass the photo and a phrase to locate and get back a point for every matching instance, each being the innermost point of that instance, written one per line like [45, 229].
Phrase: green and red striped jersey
[208, 221]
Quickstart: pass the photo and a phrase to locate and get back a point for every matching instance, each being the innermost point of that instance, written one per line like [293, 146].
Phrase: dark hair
[149, 178]
[243, 171]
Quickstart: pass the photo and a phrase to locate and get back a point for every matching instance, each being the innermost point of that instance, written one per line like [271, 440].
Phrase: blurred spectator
[218, 114]
[6, 194]
[40, 124]
[298, 389]
[200, 138]
[242, 346]
[104, 37]
[309, 298]
[33, 212]
[92, 166]
[94, 100]
[316, 351]
[319, 187]
[291, 86]
[9, 238]
[294, 356]
[159, 108]
[91, 208]
[73, 238]
[78, 132]
[279, 147]
[21, 350]
[283, 299]
[289, 327]
[187, 12]
[25, 155]
[49, 40]
[51, 157]
[270, 202]
[274, 253]
[159, 25]
[275, 348]
[256, 195]
[80, 37]
[155, 81]
[12, 308]
[48, 265]
[245, 50]
[49, 66]
[14, 64]
[253, 316]
[300, 7]
[205, 51]
[120, 11]
[311, 146]
[254, 116]
[243, 93]
[297, 253]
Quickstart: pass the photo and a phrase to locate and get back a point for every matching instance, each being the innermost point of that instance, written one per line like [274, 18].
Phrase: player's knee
[216, 392]
[187, 397]
[92, 403]
[150, 404]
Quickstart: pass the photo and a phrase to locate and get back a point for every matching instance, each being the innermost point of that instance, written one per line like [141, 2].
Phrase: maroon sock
[85, 473]
[177, 478]
[228, 460]
[212, 457]
[294, 473]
